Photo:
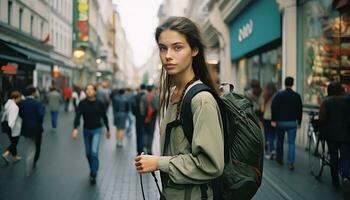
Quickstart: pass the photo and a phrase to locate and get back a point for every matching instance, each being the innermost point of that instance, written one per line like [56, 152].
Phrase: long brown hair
[188, 29]
[269, 91]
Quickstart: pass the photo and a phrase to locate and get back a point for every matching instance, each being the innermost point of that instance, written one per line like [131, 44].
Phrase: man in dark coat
[32, 113]
[287, 111]
[335, 129]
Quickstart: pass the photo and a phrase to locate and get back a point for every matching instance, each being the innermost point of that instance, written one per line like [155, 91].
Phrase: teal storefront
[256, 43]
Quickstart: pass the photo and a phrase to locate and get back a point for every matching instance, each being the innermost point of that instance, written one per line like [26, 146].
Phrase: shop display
[327, 49]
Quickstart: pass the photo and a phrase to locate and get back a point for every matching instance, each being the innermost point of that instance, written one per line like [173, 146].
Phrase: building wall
[35, 13]
[61, 33]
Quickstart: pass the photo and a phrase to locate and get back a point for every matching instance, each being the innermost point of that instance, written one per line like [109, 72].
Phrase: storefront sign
[81, 22]
[257, 25]
[245, 31]
[9, 69]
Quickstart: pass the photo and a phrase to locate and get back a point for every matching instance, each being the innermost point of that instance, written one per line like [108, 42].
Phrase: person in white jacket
[14, 124]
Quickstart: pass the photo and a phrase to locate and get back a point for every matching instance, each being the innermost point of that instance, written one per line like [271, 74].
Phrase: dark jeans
[140, 131]
[291, 128]
[13, 146]
[149, 132]
[92, 142]
[38, 140]
[54, 117]
[270, 135]
[334, 148]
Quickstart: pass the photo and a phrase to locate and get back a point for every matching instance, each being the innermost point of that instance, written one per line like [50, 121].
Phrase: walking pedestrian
[149, 108]
[11, 124]
[103, 94]
[287, 111]
[139, 118]
[32, 113]
[67, 94]
[270, 134]
[186, 169]
[120, 112]
[335, 129]
[253, 94]
[129, 119]
[93, 113]
[54, 101]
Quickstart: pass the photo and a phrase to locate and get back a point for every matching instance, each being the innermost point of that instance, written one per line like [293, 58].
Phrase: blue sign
[258, 24]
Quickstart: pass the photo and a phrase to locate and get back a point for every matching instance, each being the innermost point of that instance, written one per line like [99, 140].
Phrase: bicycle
[318, 155]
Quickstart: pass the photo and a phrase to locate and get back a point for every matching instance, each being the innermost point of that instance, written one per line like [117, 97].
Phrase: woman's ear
[194, 52]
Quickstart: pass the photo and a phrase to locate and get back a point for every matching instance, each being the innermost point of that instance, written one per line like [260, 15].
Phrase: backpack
[243, 144]
[150, 110]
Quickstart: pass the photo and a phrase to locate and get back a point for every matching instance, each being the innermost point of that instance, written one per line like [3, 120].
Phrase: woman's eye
[162, 49]
[177, 48]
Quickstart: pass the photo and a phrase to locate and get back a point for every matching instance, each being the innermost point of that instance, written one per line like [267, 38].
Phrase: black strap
[204, 193]
[187, 121]
[168, 129]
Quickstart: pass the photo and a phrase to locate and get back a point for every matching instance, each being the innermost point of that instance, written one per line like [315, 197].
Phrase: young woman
[270, 134]
[93, 112]
[14, 124]
[186, 169]
[120, 111]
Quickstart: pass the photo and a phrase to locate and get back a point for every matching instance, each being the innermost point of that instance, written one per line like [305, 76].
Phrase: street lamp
[79, 54]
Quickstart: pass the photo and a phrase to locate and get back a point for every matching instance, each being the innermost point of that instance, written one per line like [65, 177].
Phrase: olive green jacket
[183, 172]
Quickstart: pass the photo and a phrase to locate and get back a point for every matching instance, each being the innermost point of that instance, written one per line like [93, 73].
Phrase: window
[20, 18]
[51, 37]
[9, 12]
[56, 40]
[31, 24]
[42, 30]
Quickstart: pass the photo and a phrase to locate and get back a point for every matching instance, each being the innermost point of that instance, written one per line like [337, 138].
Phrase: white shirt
[11, 116]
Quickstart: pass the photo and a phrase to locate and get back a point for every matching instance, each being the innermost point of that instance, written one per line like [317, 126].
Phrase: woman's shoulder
[203, 97]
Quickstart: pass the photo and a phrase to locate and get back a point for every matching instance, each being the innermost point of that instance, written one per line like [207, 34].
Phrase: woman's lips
[170, 66]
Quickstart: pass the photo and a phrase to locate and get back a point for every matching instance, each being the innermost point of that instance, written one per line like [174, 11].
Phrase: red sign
[9, 69]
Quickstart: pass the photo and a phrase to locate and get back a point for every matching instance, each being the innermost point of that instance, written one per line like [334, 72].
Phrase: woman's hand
[146, 163]
[74, 134]
[108, 135]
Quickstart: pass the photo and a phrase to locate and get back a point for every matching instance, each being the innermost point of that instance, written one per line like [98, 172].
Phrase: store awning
[30, 55]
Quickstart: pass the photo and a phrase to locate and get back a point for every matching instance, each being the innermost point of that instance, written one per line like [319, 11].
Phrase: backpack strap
[186, 111]
[186, 119]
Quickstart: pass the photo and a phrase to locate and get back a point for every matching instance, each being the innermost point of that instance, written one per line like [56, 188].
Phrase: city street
[63, 172]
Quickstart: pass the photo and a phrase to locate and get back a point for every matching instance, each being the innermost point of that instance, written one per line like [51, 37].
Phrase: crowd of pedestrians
[281, 112]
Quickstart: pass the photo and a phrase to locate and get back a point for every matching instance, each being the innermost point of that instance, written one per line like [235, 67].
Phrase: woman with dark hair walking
[93, 112]
[121, 108]
[186, 169]
[11, 124]
[269, 131]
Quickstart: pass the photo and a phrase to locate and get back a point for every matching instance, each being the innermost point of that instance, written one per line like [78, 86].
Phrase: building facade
[25, 47]
[61, 38]
[93, 40]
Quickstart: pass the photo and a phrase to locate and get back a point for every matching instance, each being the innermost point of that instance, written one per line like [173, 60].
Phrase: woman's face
[175, 52]
[90, 91]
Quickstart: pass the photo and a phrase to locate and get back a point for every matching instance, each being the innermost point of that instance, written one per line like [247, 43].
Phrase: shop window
[326, 48]
[265, 67]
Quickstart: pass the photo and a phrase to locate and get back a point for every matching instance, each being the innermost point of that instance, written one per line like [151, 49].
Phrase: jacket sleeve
[12, 116]
[206, 161]
[78, 115]
[300, 110]
[41, 112]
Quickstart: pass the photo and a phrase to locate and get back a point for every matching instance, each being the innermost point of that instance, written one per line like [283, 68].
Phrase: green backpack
[243, 142]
